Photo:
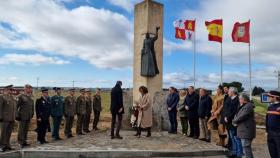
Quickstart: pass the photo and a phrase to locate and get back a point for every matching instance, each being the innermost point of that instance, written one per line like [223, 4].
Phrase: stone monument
[148, 19]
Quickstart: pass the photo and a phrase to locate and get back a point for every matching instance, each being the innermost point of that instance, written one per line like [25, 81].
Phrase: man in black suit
[117, 109]
[43, 105]
[192, 101]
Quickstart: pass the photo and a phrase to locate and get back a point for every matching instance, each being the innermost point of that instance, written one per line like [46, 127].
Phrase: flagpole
[221, 64]
[250, 72]
[194, 59]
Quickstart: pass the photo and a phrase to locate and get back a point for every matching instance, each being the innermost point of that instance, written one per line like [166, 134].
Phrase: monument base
[160, 114]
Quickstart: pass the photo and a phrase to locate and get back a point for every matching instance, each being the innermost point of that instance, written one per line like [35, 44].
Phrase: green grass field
[260, 108]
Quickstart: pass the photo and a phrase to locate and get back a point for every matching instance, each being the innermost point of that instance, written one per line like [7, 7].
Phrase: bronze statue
[149, 66]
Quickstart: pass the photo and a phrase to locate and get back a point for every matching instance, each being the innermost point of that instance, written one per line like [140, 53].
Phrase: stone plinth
[147, 16]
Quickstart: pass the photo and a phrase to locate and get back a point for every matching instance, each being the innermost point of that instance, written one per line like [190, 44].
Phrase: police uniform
[57, 102]
[88, 112]
[273, 127]
[42, 113]
[81, 111]
[25, 112]
[69, 113]
[7, 118]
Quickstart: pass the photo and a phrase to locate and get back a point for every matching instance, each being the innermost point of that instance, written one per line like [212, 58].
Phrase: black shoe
[87, 131]
[46, 142]
[9, 148]
[58, 138]
[42, 142]
[118, 137]
[190, 136]
[208, 140]
[202, 139]
[112, 137]
[70, 136]
[195, 137]
[26, 144]
[149, 134]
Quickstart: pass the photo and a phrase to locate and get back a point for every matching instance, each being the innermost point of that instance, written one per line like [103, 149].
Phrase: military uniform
[25, 112]
[81, 111]
[96, 109]
[42, 112]
[56, 114]
[7, 119]
[88, 113]
[69, 113]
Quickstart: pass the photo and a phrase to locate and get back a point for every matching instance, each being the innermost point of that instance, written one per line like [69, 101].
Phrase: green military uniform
[81, 111]
[69, 113]
[88, 113]
[25, 112]
[96, 109]
[7, 118]
[56, 114]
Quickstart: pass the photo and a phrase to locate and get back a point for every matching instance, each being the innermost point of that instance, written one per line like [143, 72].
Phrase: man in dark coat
[25, 112]
[273, 125]
[7, 117]
[96, 108]
[246, 124]
[149, 66]
[117, 109]
[69, 112]
[191, 101]
[57, 103]
[226, 88]
[229, 111]
[204, 113]
[42, 107]
[81, 111]
[172, 101]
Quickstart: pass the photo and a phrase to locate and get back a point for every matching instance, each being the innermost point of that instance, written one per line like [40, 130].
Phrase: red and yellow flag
[215, 29]
[179, 29]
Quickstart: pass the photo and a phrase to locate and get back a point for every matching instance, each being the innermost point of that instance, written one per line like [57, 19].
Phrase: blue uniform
[42, 113]
[273, 130]
[56, 113]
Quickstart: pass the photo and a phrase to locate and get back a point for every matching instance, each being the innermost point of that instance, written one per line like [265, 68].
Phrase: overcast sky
[90, 42]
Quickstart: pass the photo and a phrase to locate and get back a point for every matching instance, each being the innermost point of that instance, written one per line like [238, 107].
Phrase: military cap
[8, 86]
[28, 86]
[274, 93]
[57, 88]
[88, 90]
[43, 89]
[82, 90]
[72, 89]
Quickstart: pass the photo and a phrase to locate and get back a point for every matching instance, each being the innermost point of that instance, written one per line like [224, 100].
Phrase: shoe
[70, 136]
[118, 137]
[190, 136]
[26, 144]
[195, 137]
[42, 142]
[208, 140]
[46, 142]
[202, 139]
[8, 148]
[87, 131]
[58, 138]
[149, 134]
[2, 150]
[80, 134]
[112, 137]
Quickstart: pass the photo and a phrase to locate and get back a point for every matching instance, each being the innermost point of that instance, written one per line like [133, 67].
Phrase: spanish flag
[215, 29]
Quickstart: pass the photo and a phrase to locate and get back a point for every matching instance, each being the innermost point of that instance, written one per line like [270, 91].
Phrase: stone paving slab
[99, 145]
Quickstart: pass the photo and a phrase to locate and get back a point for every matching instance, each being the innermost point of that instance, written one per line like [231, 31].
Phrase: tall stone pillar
[147, 16]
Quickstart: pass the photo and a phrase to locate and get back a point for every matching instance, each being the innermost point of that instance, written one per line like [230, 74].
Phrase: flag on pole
[190, 29]
[179, 29]
[215, 29]
[241, 32]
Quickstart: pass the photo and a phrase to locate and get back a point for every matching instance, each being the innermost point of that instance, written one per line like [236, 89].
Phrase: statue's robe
[149, 66]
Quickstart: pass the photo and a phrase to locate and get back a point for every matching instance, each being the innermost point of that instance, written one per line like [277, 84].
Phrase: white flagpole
[221, 63]
[250, 72]
[194, 58]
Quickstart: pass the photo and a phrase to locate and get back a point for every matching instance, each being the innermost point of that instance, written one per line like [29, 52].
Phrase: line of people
[22, 109]
[231, 115]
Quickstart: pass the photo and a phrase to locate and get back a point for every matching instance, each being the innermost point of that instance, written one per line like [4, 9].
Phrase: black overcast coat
[116, 100]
